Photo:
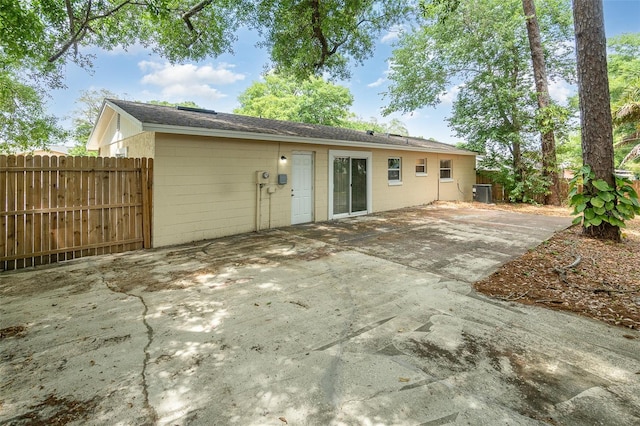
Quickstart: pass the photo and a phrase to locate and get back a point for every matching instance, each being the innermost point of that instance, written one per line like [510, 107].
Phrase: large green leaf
[622, 208]
[601, 185]
[596, 221]
[617, 222]
[597, 202]
[624, 200]
[607, 196]
[579, 199]
[589, 214]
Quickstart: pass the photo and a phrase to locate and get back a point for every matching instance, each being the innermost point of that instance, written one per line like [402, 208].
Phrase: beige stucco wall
[460, 187]
[206, 188]
[140, 145]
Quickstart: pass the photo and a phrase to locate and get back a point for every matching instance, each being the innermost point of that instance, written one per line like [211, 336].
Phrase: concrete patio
[364, 321]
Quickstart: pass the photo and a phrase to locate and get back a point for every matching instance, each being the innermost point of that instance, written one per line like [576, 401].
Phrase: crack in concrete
[147, 356]
[356, 333]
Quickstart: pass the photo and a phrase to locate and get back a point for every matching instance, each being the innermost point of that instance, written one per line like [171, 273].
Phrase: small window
[421, 167]
[445, 170]
[394, 170]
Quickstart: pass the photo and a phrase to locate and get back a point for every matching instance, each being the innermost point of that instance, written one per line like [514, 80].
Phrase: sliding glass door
[350, 184]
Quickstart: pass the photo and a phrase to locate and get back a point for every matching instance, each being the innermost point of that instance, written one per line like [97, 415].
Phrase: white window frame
[450, 169]
[399, 169]
[424, 164]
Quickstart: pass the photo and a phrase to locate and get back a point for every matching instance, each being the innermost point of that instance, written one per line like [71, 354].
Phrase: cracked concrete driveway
[365, 321]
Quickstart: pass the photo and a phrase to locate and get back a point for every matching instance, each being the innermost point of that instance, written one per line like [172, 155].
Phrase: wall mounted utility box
[282, 179]
[482, 193]
[262, 177]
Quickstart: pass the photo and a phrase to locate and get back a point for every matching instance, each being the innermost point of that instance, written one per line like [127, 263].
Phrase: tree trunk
[518, 169]
[549, 164]
[595, 109]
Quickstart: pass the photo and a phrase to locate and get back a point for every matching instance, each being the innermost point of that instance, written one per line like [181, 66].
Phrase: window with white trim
[446, 172]
[421, 167]
[394, 170]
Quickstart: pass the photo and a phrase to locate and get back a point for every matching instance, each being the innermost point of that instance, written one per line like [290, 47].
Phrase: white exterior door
[302, 188]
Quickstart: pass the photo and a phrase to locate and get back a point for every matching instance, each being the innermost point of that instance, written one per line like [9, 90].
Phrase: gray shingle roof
[149, 114]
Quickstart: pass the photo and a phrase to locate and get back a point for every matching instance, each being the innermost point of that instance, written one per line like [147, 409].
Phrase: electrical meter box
[282, 179]
[262, 177]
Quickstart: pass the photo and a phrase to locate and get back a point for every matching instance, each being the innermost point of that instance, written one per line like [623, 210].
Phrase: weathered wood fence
[60, 208]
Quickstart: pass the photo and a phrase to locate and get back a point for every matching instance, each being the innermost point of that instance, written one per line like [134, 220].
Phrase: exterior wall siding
[206, 188]
[414, 190]
[460, 187]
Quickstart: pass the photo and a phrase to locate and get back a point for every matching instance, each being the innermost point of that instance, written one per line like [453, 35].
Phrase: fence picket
[28, 245]
[3, 203]
[60, 208]
[46, 204]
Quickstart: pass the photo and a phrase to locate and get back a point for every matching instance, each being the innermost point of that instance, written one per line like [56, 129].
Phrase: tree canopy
[24, 123]
[310, 101]
[313, 100]
[480, 49]
[304, 38]
[624, 86]
[311, 36]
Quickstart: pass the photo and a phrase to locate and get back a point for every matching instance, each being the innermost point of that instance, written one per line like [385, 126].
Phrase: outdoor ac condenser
[482, 193]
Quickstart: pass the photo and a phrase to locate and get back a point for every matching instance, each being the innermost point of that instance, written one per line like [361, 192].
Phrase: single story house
[218, 174]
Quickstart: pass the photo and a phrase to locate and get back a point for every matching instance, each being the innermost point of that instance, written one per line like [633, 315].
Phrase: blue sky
[216, 83]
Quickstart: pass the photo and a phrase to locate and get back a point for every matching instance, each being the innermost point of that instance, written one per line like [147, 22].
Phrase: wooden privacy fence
[61, 208]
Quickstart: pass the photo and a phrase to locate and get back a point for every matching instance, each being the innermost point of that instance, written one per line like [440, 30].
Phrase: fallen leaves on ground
[571, 272]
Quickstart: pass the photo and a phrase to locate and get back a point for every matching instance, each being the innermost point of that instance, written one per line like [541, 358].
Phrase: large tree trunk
[549, 164]
[595, 110]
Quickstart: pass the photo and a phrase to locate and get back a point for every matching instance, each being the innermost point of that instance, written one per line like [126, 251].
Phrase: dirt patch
[201, 263]
[55, 411]
[13, 331]
[536, 382]
[18, 284]
[571, 272]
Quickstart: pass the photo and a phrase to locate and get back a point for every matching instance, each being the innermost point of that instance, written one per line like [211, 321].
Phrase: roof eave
[234, 134]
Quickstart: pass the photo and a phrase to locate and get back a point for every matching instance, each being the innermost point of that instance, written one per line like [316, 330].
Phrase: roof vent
[370, 132]
[202, 110]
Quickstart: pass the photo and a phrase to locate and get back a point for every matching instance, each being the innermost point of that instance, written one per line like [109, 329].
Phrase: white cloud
[377, 83]
[189, 81]
[450, 95]
[384, 78]
[132, 50]
[393, 34]
[560, 91]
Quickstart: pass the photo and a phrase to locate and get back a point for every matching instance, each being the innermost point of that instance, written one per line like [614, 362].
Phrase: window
[394, 170]
[421, 167]
[445, 170]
